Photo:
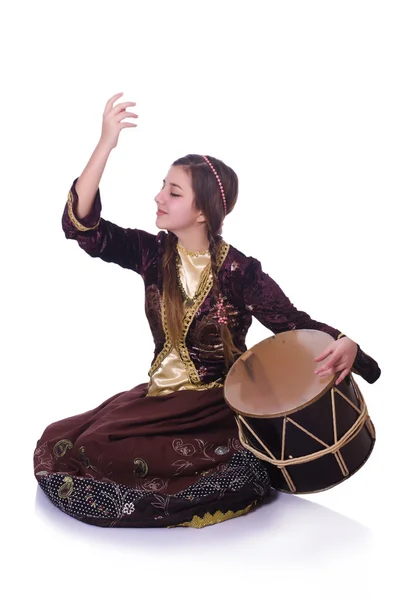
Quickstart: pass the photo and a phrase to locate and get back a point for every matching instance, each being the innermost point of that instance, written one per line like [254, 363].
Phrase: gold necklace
[193, 253]
[203, 278]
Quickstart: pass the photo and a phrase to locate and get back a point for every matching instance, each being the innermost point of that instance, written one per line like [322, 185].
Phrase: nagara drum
[311, 433]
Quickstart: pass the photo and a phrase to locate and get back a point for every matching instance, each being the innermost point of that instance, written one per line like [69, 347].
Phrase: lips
[161, 212]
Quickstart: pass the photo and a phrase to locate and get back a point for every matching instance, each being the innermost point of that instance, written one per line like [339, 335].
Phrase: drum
[312, 433]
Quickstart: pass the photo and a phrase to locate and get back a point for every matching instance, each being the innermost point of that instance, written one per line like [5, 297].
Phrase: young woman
[167, 452]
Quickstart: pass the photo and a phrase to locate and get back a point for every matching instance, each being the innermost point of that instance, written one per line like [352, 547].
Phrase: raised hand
[112, 121]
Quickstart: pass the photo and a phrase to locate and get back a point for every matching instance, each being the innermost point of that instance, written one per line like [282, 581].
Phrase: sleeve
[266, 301]
[129, 248]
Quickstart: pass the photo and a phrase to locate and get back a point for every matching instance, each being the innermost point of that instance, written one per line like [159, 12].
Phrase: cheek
[182, 213]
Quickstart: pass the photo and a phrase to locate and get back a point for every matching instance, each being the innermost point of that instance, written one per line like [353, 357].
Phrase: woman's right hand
[111, 121]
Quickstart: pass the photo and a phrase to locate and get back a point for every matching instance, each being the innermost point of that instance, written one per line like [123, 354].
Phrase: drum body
[312, 433]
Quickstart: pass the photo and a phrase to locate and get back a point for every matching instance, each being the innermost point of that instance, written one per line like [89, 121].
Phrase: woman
[167, 452]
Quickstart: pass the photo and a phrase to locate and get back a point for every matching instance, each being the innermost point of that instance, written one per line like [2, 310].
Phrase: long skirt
[150, 461]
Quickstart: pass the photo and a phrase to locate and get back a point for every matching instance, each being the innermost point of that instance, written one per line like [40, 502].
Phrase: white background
[299, 97]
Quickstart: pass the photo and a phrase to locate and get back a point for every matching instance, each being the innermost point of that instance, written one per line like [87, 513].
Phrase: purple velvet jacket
[249, 292]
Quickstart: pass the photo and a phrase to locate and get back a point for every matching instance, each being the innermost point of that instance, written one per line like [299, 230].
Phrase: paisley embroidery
[66, 489]
[142, 468]
[83, 458]
[61, 448]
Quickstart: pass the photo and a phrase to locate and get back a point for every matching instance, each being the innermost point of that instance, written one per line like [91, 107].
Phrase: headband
[220, 183]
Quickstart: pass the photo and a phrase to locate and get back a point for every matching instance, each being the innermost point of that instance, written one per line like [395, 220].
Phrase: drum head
[276, 376]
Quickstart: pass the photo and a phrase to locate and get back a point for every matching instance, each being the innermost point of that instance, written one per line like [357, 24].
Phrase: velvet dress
[167, 452]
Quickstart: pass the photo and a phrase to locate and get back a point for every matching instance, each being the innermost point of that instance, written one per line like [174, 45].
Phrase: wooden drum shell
[308, 447]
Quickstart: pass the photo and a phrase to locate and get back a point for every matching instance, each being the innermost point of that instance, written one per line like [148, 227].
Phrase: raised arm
[89, 180]
[129, 248]
[81, 219]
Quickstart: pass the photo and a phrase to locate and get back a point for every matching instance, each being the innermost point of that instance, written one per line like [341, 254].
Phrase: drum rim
[286, 412]
[293, 410]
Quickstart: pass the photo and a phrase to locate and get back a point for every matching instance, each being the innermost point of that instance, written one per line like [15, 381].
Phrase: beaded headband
[220, 183]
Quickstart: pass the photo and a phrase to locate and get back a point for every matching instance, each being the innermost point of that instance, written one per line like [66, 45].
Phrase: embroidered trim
[217, 517]
[167, 344]
[206, 285]
[189, 316]
[73, 219]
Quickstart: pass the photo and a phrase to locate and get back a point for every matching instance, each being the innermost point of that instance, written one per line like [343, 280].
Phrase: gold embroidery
[205, 287]
[141, 467]
[217, 517]
[61, 448]
[75, 222]
[195, 253]
[167, 344]
[189, 316]
[66, 488]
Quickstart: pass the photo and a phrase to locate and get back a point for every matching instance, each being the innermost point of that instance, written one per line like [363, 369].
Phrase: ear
[201, 218]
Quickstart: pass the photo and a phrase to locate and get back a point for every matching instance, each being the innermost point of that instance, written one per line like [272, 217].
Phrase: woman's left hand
[343, 353]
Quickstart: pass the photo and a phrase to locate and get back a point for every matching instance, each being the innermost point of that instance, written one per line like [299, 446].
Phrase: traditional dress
[167, 452]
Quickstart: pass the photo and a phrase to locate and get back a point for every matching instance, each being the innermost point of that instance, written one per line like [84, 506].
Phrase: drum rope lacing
[334, 448]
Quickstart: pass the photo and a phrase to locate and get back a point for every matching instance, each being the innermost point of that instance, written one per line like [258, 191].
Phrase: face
[176, 211]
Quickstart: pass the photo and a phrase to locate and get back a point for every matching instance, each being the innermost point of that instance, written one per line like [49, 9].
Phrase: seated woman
[167, 452]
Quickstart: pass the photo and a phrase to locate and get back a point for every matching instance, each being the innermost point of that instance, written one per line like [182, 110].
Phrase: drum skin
[312, 434]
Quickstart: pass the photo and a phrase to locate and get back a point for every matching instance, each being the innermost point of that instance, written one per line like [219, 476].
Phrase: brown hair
[208, 200]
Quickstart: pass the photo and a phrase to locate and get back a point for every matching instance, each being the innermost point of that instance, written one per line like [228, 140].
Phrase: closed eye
[176, 195]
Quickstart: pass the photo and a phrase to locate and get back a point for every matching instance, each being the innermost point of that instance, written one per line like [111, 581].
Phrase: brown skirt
[150, 461]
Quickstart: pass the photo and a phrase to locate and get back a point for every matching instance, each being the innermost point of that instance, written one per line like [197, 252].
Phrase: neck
[194, 241]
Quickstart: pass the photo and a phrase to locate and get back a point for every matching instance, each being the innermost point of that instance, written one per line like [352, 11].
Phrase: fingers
[125, 114]
[341, 377]
[118, 107]
[121, 106]
[333, 368]
[326, 353]
[325, 369]
[329, 351]
[109, 103]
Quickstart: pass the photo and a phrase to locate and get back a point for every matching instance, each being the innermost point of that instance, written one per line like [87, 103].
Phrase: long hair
[208, 200]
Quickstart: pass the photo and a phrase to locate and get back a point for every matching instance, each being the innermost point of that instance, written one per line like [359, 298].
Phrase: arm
[265, 300]
[88, 182]
[129, 248]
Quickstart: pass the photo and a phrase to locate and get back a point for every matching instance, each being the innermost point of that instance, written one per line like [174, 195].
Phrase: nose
[159, 200]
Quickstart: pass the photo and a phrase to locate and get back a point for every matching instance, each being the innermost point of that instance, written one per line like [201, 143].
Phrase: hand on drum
[342, 354]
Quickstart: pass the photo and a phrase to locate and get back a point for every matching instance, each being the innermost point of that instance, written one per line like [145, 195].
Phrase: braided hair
[207, 199]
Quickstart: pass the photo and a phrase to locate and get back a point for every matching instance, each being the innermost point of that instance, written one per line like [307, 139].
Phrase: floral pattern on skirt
[150, 461]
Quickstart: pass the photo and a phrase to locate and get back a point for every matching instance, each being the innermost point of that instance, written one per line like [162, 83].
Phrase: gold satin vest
[171, 374]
